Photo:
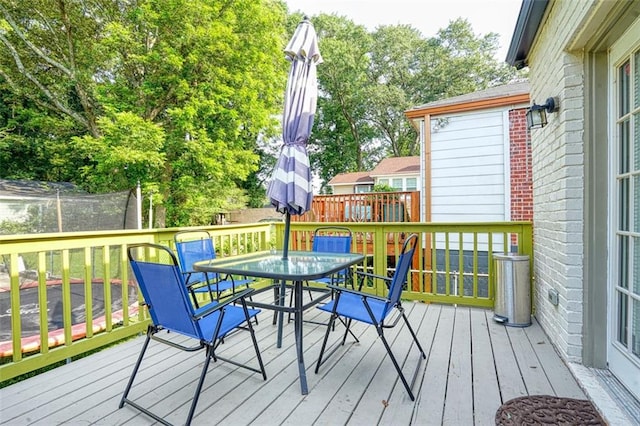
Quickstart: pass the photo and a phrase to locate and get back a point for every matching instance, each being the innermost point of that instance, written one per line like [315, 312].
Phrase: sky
[428, 16]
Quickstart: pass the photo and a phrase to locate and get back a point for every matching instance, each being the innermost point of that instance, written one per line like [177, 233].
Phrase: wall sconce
[439, 123]
[537, 114]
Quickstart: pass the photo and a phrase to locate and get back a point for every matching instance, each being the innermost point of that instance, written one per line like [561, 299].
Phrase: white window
[412, 184]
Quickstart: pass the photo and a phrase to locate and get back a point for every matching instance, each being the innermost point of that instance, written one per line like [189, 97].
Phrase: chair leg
[395, 363]
[393, 358]
[413, 334]
[203, 374]
[135, 369]
[255, 344]
[324, 341]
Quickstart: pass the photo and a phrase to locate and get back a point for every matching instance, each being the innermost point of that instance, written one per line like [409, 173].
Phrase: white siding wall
[470, 168]
[558, 170]
[343, 189]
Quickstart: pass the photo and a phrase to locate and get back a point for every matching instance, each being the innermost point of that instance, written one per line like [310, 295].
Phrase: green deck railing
[98, 302]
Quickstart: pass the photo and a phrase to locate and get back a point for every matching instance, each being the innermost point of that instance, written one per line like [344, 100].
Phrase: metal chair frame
[200, 247]
[374, 310]
[338, 240]
[165, 295]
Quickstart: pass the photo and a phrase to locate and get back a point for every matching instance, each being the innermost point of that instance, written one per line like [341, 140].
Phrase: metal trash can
[513, 292]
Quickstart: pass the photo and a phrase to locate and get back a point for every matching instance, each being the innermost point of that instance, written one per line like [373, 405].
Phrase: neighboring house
[352, 183]
[477, 156]
[401, 173]
[586, 168]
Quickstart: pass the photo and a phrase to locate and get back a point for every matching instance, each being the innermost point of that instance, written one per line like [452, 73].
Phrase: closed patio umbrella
[290, 190]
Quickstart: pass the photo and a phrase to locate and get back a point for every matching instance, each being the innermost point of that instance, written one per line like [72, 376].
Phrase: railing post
[380, 259]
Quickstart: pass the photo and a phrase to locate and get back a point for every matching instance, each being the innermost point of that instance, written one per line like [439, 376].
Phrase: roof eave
[529, 20]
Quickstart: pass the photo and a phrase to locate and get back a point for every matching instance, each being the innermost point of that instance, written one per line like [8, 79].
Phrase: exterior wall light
[440, 123]
[537, 114]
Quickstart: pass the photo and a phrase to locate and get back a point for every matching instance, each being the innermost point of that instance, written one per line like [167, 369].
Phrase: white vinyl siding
[468, 173]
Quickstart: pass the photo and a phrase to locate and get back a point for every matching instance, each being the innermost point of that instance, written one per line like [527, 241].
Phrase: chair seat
[352, 306]
[233, 318]
[220, 286]
[330, 280]
[243, 281]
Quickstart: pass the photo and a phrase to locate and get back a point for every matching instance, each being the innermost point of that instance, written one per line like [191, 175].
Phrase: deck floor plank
[431, 402]
[473, 365]
[486, 389]
[562, 382]
[458, 409]
[510, 379]
[530, 368]
[327, 401]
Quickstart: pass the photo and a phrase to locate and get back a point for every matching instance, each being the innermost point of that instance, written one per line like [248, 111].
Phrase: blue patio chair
[165, 295]
[195, 246]
[351, 305]
[331, 239]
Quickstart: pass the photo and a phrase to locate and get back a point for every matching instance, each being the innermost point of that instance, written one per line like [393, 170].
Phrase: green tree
[459, 62]
[369, 79]
[342, 139]
[201, 78]
[397, 62]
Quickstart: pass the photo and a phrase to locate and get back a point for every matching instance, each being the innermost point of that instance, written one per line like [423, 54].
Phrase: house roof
[355, 178]
[529, 19]
[34, 188]
[397, 166]
[503, 95]
[386, 167]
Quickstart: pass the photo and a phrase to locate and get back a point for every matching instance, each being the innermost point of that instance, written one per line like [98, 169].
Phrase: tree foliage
[342, 135]
[171, 93]
[369, 79]
[183, 95]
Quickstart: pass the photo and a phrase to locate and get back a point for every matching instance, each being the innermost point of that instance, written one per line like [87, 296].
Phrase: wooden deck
[473, 365]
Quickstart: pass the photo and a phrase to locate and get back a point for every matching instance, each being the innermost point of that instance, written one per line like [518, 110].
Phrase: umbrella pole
[287, 227]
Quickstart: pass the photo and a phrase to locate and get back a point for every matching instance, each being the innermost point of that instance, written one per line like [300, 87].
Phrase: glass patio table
[300, 266]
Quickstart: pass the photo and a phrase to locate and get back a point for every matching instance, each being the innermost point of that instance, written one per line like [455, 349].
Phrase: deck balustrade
[97, 302]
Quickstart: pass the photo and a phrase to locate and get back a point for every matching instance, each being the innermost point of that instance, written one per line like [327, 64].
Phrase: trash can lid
[511, 256]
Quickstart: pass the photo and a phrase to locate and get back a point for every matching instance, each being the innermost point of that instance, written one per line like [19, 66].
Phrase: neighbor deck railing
[455, 265]
[400, 206]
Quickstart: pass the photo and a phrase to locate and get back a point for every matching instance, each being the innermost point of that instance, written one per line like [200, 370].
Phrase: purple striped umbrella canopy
[290, 190]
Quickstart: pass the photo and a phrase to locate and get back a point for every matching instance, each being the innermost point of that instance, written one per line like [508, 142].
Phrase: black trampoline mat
[30, 309]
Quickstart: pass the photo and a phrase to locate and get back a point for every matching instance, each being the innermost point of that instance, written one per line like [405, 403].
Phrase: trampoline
[30, 312]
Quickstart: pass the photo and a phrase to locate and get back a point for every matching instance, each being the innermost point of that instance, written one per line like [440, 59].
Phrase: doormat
[547, 410]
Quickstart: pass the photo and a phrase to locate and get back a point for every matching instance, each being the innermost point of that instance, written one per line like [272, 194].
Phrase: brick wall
[520, 158]
[558, 168]
[520, 169]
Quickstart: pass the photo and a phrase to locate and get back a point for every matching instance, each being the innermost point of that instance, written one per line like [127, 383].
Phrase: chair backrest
[162, 286]
[332, 239]
[194, 246]
[402, 270]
